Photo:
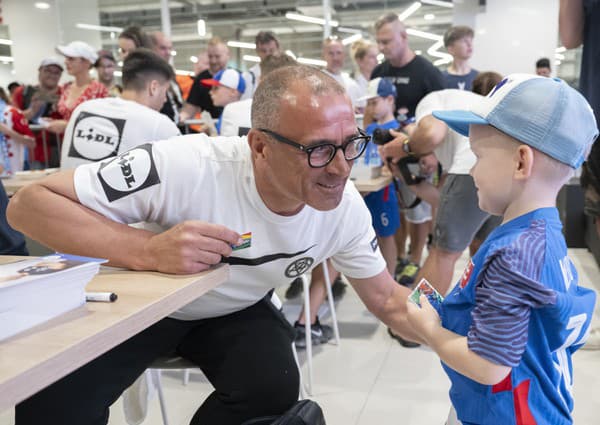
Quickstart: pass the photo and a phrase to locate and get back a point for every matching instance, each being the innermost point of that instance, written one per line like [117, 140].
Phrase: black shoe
[400, 264]
[338, 288]
[319, 333]
[294, 289]
[408, 274]
[403, 342]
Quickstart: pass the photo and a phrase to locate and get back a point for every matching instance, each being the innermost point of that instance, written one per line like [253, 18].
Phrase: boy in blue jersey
[510, 326]
[383, 204]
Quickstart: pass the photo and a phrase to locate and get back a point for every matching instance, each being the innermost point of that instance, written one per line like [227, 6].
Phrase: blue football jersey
[519, 304]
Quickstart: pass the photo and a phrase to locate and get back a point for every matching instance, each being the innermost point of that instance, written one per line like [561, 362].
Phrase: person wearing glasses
[284, 188]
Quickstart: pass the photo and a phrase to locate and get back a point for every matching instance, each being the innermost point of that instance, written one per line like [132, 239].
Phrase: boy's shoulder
[522, 243]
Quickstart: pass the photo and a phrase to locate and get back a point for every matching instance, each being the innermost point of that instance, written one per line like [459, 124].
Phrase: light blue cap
[544, 113]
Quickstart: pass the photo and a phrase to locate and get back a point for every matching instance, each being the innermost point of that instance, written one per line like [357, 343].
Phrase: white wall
[35, 32]
[510, 35]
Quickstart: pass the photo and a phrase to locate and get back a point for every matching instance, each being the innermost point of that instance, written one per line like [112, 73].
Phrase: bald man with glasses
[285, 188]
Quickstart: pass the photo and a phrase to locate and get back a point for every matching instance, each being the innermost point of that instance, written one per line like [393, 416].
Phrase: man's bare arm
[570, 23]
[49, 211]
[386, 299]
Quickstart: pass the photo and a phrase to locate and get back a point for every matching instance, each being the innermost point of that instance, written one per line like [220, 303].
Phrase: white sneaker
[593, 341]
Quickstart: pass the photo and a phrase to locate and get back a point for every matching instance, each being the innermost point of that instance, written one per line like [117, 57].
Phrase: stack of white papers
[33, 291]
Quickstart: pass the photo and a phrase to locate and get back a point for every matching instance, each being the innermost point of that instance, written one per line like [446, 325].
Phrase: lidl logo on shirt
[95, 137]
[128, 173]
[466, 276]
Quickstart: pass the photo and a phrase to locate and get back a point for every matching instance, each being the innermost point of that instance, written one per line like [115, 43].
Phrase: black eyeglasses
[320, 155]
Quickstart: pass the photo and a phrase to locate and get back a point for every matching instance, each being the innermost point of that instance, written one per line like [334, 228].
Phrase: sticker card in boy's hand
[433, 296]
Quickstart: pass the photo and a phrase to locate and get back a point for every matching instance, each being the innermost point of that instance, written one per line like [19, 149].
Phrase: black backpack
[304, 412]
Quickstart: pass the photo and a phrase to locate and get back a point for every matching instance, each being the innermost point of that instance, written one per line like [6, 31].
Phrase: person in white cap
[511, 324]
[236, 119]
[227, 86]
[39, 102]
[79, 59]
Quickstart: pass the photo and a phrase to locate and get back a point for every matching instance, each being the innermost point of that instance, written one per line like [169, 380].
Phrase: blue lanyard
[3, 144]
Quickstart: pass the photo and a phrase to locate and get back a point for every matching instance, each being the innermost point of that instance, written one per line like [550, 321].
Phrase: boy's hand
[425, 319]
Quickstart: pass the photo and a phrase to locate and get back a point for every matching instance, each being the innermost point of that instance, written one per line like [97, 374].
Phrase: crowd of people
[486, 178]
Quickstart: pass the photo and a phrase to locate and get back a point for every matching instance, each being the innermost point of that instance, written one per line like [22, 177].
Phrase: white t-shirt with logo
[211, 179]
[102, 128]
[454, 153]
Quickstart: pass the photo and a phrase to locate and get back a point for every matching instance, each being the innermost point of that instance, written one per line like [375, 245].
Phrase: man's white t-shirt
[102, 128]
[235, 120]
[251, 78]
[454, 153]
[211, 179]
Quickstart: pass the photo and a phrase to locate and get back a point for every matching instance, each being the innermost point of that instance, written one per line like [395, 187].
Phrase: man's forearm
[65, 225]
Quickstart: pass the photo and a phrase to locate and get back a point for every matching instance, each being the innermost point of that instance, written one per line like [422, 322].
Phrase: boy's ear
[524, 158]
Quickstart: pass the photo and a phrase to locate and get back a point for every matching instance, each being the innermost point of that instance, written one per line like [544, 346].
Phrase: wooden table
[23, 178]
[373, 185]
[34, 359]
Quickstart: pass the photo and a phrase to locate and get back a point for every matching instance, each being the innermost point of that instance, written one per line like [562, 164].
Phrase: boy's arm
[451, 347]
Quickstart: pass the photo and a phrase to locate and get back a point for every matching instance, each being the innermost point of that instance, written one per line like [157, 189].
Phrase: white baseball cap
[51, 61]
[78, 49]
[227, 78]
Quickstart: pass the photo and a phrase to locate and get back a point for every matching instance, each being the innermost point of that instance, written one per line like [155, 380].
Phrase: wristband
[406, 147]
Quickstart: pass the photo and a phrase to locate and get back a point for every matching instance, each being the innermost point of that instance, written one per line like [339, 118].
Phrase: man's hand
[394, 149]
[425, 319]
[190, 247]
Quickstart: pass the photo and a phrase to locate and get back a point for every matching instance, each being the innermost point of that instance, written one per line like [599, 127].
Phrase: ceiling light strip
[447, 4]
[409, 11]
[98, 27]
[241, 44]
[351, 39]
[308, 61]
[310, 19]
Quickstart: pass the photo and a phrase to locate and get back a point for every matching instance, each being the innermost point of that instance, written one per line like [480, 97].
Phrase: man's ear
[524, 158]
[257, 142]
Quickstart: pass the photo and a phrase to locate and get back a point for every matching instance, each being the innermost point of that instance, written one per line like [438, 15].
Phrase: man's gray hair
[266, 102]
